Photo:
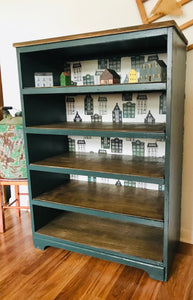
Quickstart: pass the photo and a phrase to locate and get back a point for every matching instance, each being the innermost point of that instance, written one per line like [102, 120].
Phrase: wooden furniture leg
[17, 200]
[2, 217]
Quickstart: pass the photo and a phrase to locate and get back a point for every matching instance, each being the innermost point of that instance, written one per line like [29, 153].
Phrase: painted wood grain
[109, 198]
[122, 237]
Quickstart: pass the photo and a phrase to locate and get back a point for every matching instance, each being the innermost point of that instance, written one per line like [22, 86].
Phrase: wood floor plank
[29, 273]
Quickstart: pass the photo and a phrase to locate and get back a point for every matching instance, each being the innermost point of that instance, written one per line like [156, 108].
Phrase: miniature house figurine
[152, 71]
[133, 76]
[77, 118]
[65, 79]
[109, 77]
[43, 79]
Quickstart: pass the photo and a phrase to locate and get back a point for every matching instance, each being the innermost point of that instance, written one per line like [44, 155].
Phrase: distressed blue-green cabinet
[123, 223]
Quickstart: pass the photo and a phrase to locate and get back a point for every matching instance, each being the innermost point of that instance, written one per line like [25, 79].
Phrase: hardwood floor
[27, 273]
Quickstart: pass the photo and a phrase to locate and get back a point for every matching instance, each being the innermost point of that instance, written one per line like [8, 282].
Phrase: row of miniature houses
[152, 70]
[129, 108]
[118, 182]
[115, 145]
[117, 115]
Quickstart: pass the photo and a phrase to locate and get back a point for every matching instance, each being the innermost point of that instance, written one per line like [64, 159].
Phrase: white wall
[22, 20]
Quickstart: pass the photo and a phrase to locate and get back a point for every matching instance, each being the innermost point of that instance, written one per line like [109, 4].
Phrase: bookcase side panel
[174, 144]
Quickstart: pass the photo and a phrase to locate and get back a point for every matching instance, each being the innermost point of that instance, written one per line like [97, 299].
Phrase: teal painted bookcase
[126, 224]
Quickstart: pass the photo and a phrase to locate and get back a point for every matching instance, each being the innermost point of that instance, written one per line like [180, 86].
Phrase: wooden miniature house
[133, 76]
[152, 71]
[65, 79]
[109, 76]
[43, 79]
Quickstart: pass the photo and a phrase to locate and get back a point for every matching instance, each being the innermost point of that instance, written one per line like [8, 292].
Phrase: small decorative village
[114, 70]
[127, 107]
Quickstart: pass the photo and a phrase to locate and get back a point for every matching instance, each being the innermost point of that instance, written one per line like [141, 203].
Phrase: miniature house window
[115, 64]
[71, 145]
[152, 149]
[149, 119]
[117, 114]
[162, 104]
[77, 71]
[138, 148]
[105, 142]
[129, 183]
[81, 145]
[102, 151]
[88, 105]
[102, 105]
[127, 96]
[70, 105]
[116, 145]
[129, 110]
[102, 63]
[141, 104]
[96, 118]
[88, 79]
[91, 179]
[161, 187]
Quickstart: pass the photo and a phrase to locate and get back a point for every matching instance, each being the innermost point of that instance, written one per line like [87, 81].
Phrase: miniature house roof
[116, 107]
[161, 63]
[109, 73]
[133, 71]
[65, 74]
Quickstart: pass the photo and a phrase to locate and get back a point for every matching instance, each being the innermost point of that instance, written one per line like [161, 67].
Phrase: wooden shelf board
[121, 127]
[85, 89]
[122, 200]
[117, 236]
[107, 163]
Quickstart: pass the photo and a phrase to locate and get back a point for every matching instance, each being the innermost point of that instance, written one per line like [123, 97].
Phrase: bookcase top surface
[157, 25]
